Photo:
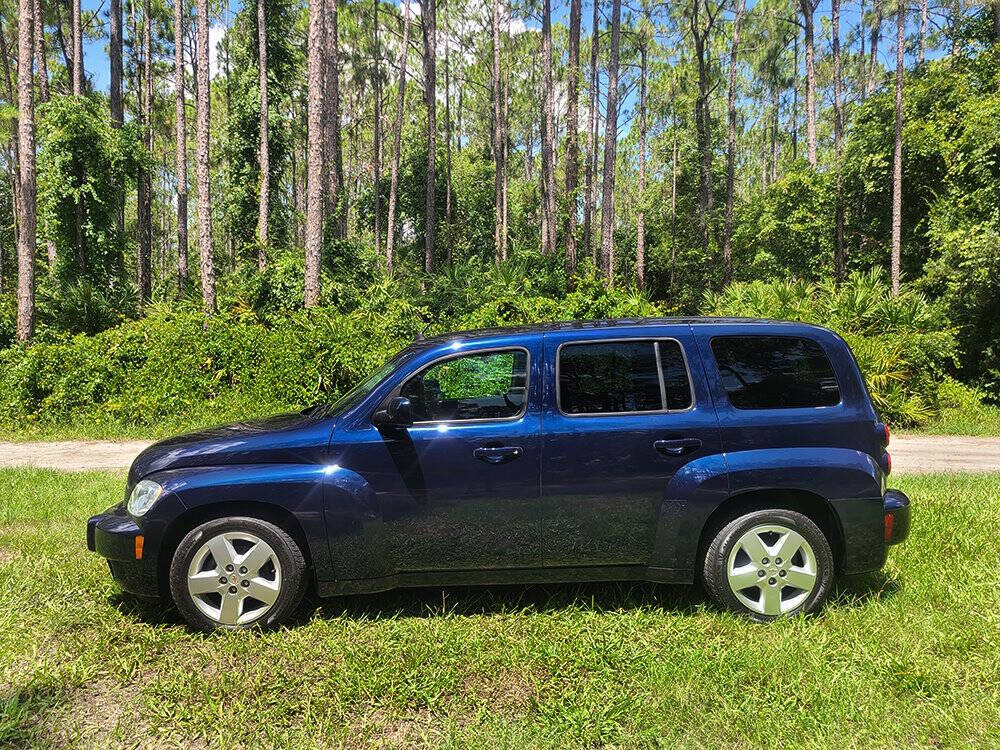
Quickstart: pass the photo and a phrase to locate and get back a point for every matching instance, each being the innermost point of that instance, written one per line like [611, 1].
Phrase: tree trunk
[727, 237]
[180, 136]
[145, 204]
[26, 177]
[795, 99]
[115, 58]
[13, 146]
[42, 70]
[673, 182]
[397, 141]
[115, 102]
[205, 249]
[610, 149]
[335, 198]
[640, 217]
[548, 136]
[264, 153]
[923, 29]
[808, 9]
[318, 42]
[429, 18]
[774, 137]
[496, 148]
[505, 139]
[447, 142]
[588, 189]
[875, 33]
[838, 127]
[41, 64]
[572, 140]
[861, 56]
[701, 31]
[77, 33]
[897, 157]
[377, 151]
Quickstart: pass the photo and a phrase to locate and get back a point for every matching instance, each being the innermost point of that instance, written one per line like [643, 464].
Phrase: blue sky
[96, 59]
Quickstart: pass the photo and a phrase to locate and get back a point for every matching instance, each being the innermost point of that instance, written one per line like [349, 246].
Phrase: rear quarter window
[775, 372]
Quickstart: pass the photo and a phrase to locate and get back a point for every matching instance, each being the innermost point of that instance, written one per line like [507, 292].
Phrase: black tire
[715, 565]
[292, 566]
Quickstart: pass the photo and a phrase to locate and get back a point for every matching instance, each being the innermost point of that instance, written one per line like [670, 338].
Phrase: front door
[459, 489]
[621, 417]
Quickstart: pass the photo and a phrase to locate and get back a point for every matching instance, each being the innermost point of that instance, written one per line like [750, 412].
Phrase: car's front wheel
[769, 563]
[237, 572]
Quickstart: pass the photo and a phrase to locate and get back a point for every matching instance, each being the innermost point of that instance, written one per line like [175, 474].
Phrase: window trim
[655, 340]
[800, 337]
[456, 355]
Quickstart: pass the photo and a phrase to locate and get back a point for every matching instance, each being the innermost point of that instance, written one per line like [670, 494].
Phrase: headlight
[144, 494]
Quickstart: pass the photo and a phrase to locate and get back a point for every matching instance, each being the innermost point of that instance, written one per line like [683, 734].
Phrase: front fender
[298, 489]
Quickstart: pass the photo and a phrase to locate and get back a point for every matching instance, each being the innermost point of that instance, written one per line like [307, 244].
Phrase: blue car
[742, 454]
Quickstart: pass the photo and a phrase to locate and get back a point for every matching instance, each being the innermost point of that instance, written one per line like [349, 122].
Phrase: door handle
[497, 455]
[677, 447]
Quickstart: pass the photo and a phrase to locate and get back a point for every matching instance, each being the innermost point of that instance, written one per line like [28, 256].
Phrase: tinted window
[602, 378]
[492, 385]
[675, 375]
[775, 372]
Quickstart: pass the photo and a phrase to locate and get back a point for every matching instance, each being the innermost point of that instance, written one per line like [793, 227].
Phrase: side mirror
[398, 413]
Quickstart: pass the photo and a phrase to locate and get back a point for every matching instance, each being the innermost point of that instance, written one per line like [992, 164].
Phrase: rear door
[622, 414]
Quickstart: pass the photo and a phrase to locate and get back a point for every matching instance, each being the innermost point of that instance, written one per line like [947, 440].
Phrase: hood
[287, 438]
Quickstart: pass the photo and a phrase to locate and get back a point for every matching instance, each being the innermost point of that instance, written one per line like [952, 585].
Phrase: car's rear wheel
[237, 572]
[768, 564]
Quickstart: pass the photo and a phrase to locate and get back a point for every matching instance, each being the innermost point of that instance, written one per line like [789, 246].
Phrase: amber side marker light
[139, 540]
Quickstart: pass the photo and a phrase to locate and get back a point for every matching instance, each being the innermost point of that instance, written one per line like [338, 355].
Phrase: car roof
[608, 323]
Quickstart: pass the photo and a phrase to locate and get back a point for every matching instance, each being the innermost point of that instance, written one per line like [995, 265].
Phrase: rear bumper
[113, 535]
[896, 516]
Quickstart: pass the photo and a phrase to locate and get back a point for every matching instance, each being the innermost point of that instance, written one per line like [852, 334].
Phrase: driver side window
[488, 385]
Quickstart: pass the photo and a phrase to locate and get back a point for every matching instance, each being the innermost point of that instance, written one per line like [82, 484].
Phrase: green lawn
[904, 659]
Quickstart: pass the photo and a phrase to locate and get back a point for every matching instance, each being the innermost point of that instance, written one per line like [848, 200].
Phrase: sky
[97, 65]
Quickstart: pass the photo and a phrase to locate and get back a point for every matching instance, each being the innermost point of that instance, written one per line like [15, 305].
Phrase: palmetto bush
[902, 343]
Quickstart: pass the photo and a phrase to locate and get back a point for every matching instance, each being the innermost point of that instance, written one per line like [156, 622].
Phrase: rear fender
[849, 480]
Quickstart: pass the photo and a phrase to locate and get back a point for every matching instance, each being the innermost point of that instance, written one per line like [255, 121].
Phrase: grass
[979, 420]
[902, 658]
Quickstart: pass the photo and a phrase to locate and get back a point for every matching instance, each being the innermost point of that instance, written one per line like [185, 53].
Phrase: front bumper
[896, 516]
[115, 536]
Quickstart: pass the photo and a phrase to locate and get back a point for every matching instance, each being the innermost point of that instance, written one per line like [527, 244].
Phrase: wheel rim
[234, 578]
[771, 569]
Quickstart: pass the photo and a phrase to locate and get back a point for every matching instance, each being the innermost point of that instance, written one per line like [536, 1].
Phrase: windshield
[358, 393]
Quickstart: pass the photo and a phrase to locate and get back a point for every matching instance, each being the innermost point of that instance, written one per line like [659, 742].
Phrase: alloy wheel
[772, 569]
[234, 578]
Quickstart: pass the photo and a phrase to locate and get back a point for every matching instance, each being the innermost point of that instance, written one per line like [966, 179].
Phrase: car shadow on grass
[857, 590]
[464, 601]
[513, 599]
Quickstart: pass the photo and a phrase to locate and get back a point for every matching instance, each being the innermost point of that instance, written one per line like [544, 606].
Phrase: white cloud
[215, 35]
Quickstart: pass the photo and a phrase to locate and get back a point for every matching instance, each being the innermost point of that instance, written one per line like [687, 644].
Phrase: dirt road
[910, 454]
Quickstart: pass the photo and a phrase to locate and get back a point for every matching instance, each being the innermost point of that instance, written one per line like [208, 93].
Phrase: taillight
[888, 463]
[882, 432]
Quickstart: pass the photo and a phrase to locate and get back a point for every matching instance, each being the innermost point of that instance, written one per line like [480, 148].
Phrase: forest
[233, 209]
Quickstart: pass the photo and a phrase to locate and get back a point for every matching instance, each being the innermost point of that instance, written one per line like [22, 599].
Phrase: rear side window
[775, 372]
[620, 377]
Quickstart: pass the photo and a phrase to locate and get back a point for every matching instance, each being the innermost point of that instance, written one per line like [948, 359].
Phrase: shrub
[171, 370]
[902, 344]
